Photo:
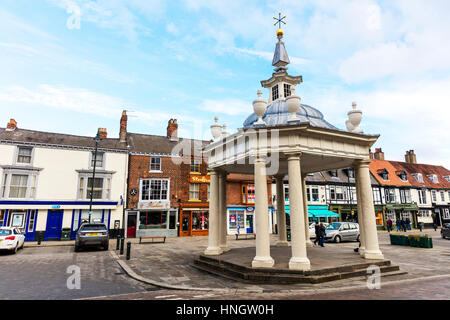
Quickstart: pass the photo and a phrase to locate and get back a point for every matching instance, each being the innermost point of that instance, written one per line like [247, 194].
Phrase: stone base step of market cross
[238, 272]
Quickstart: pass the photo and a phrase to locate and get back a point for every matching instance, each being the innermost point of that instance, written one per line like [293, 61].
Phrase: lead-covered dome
[277, 115]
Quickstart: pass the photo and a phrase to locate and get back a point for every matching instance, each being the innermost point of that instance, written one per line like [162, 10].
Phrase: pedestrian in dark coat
[408, 224]
[404, 225]
[389, 225]
[322, 234]
[397, 223]
[317, 232]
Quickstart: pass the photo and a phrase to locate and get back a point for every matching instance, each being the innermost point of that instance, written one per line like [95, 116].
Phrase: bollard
[118, 242]
[128, 250]
[39, 239]
[121, 245]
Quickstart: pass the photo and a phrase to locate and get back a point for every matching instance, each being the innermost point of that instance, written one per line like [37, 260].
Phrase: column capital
[361, 164]
[293, 155]
[279, 176]
[213, 171]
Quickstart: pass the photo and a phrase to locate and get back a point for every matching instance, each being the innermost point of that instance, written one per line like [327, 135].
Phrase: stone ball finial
[259, 107]
[293, 105]
[216, 129]
[224, 131]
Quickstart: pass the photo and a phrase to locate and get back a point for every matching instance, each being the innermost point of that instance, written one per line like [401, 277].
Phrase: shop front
[240, 220]
[441, 215]
[405, 212]
[194, 220]
[318, 213]
[152, 219]
[57, 220]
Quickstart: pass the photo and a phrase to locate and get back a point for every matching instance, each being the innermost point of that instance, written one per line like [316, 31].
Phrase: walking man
[389, 225]
[322, 234]
[317, 232]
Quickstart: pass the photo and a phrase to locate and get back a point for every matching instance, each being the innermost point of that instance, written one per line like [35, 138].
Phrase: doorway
[185, 230]
[54, 224]
[131, 225]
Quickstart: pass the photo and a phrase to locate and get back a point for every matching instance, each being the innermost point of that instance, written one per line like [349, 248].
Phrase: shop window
[199, 220]
[24, 155]
[194, 191]
[248, 194]
[17, 219]
[446, 214]
[96, 216]
[237, 217]
[172, 220]
[153, 220]
[379, 218]
[195, 166]
[2, 218]
[154, 189]
[391, 215]
[155, 164]
[32, 221]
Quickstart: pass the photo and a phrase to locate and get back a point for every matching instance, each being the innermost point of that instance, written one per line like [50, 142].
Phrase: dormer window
[418, 177]
[384, 174]
[447, 178]
[333, 173]
[287, 90]
[402, 175]
[275, 94]
[433, 178]
[350, 173]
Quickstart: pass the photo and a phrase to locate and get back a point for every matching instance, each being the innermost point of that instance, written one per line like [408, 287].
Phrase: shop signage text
[199, 179]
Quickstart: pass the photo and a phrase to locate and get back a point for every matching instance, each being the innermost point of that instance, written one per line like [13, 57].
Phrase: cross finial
[279, 20]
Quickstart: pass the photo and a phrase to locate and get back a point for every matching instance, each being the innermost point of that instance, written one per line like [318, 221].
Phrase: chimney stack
[12, 125]
[410, 157]
[172, 130]
[379, 154]
[102, 133]
[123, 127]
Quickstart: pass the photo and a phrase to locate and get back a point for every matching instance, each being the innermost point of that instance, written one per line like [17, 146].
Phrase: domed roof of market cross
[278, 115]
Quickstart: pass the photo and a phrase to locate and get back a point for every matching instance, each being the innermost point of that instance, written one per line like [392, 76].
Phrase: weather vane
[279, 20]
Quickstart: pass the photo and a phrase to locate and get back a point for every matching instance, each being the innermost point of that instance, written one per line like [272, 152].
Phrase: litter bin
[65, 234]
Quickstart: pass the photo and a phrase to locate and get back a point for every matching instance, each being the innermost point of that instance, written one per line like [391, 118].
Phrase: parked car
[445, 231]
[92, 235]
[312, 229]
[342, 231]
[11, 239]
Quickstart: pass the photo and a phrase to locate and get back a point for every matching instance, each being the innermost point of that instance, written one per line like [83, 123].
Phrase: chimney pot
[172, 130]
[12, 125]
[379, 154]
[102, 132]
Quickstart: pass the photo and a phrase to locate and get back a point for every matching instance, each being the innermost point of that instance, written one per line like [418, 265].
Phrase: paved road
[41, 273]
[434, 289]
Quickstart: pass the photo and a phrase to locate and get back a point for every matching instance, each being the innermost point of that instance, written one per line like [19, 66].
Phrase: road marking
[177, 299]
[168, 296]
[204, 296]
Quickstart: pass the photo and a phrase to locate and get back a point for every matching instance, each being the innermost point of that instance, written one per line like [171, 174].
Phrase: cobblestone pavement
[171, 263]
[41, 273]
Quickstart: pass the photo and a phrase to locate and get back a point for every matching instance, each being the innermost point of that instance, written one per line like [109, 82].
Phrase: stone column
[299, 259]
[213, 237]
[362, 234]
[372, 249]
[281, 214]
[262, 258]
[305, 211]
[223, 212]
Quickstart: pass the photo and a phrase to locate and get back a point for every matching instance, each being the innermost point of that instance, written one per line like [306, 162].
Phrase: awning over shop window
[317, 212]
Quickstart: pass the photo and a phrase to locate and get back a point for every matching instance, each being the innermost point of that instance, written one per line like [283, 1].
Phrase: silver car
[92, 234]
[342, 231]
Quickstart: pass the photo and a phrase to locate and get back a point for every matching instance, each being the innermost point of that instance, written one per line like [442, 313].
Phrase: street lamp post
[97, 139]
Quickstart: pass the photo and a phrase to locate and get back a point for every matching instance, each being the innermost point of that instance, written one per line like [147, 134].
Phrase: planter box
[414, 241]
[426, 242]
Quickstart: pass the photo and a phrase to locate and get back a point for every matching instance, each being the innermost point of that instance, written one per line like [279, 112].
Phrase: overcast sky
[72, 65]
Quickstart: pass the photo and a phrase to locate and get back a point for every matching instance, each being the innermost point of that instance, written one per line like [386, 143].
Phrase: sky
[72, 66]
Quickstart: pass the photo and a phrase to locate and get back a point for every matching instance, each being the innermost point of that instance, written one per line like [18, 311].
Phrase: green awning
[317, 212]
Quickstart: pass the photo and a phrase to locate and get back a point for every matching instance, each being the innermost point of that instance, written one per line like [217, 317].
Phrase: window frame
[141, 182]
[91, 160]
[197, 187]
[287, 90]
[17, 153]
[31, 188]
[151, 164]
[106, 192]
[275, 92]
[194, 165]
[244, 193]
